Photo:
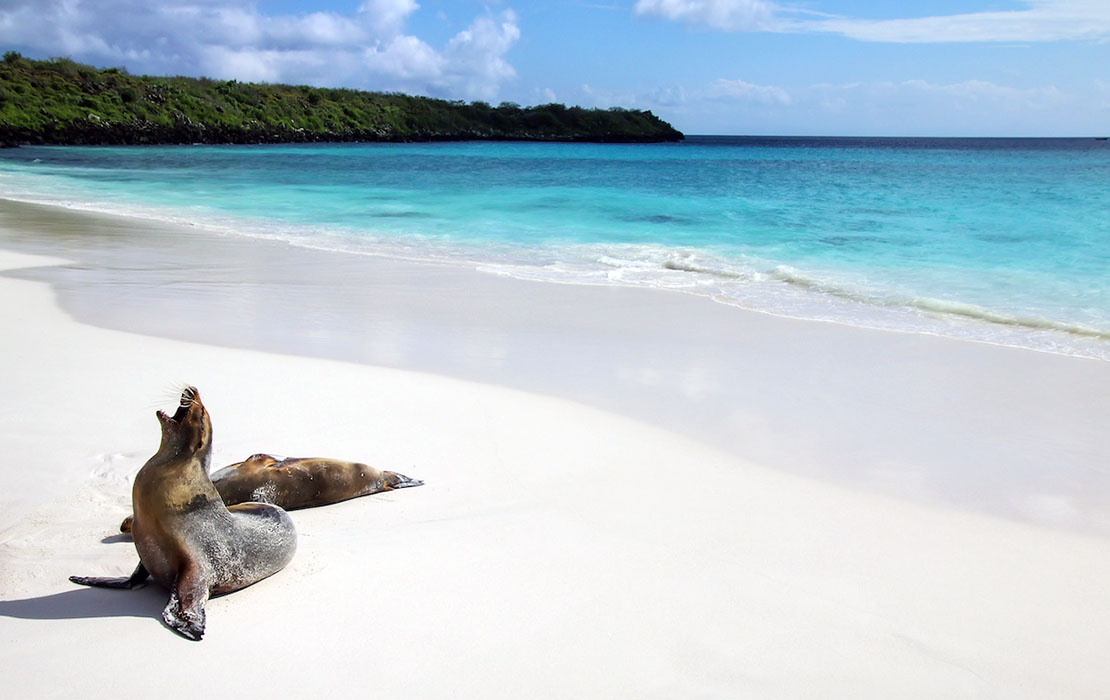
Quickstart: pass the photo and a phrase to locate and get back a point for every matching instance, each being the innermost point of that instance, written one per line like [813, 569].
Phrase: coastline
[930, 419]
[811, 257]
[555, 550]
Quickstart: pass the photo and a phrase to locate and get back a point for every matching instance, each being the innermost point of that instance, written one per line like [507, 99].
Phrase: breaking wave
[787, 291]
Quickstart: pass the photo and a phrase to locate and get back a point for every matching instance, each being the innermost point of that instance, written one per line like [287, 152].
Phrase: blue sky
[947, 67]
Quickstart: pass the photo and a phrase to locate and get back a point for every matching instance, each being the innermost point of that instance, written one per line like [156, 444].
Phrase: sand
[556, 550]
[978, 427]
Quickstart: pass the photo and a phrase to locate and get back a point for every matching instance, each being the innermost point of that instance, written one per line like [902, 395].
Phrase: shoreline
[1048, 318]
[555, 550]
[930, 419]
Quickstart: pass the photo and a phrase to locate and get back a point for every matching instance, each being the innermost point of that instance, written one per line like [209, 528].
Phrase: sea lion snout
[190, 399]
[189, 429]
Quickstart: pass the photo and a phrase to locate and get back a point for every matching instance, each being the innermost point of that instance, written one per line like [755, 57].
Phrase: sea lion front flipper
[136, 580]
[184, 613]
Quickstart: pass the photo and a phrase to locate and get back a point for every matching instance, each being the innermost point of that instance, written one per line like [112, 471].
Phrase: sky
[811, 67]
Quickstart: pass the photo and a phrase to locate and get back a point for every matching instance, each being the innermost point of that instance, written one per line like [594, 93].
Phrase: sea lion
[299, 482]
[187, 539]
[303, 482]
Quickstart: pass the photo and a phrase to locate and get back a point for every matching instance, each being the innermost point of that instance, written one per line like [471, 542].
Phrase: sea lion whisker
[169, 394]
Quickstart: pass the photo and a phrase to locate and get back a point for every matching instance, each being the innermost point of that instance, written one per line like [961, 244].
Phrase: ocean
[995, 240]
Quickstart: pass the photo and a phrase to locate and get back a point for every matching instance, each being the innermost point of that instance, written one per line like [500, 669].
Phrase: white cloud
[967, 96]
[729, 15]
[720, 95]
[600, 97]
[925, 108]
[387, 16]
[368, 48]
[1039, 20]
[877, 108]
[474, 56]
[667, 96]
[545, 95]
[739, 89]
[1042, 20]
[405, 58]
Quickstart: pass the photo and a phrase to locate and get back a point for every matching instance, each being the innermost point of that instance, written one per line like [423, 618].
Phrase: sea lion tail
[394, 480]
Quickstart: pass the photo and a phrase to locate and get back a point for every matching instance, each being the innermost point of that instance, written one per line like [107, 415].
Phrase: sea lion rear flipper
[393, 480]
[184, 613]
[137, 579]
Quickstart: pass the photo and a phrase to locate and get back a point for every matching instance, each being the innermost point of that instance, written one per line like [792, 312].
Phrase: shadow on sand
[83, 602]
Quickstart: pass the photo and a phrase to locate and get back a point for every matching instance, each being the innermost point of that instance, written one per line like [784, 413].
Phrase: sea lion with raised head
[188, 540]
[299, 482]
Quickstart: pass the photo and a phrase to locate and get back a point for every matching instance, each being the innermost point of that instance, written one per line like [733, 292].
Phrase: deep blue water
[1005, 240]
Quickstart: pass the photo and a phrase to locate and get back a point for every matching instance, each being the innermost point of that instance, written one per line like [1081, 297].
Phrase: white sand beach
[847, 531]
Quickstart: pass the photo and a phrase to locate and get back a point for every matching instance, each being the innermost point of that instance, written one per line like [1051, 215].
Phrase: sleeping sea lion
[187, 539]
[299, 482]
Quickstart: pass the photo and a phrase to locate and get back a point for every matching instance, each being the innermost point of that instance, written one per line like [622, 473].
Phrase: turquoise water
[997, 240]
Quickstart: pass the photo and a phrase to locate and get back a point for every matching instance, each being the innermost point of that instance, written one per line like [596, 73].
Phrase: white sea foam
[784, 290]
[735, 279]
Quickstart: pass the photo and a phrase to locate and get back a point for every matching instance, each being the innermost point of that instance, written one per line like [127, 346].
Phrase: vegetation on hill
[59, 101]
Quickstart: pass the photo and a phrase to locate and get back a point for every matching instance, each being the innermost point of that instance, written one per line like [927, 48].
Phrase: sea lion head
[189, 430]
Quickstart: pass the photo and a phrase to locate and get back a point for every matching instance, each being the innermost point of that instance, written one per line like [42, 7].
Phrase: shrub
[49, 96]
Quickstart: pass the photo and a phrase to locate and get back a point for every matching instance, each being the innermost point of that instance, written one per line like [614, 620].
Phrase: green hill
[59, 101]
